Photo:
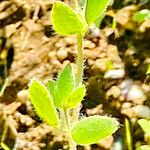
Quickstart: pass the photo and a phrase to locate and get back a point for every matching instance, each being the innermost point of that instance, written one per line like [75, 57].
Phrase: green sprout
[59, 101]
[145, 125]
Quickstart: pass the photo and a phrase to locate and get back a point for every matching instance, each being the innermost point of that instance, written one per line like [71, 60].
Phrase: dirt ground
[116, 60]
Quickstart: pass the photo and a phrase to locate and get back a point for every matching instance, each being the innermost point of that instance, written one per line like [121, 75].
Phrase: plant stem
[66, 119]
[72, 144]
[80, 59]
[63, 126]
[79, 78]
[80, 68]
[128, 134]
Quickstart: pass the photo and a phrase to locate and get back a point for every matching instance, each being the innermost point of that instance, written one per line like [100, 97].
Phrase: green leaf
[4, 146]
[76, 96]
[43, 103]
[148, 70]
[142, 15]
[93, 129]
[3, 86]
[99, 20]
[145, 125]
[143, 147]
[65, 20]
[66, 84]
[94, 9]
[53, 89]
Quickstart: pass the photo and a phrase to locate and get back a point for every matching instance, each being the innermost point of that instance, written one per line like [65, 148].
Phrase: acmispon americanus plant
[54, 101]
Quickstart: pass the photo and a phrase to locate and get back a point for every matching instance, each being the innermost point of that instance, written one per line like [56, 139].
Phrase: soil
[115, 75]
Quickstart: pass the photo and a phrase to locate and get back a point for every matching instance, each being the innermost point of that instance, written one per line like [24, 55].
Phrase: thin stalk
[66, 117]
[80, 59]
[128, 134]
[76, 113]
[72, 144]
[63, 126]
[80, 69]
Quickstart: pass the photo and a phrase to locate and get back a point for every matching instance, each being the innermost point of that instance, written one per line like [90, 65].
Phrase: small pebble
[95, 111]
[23, 96]
[101, 64]
[94, 31]
[141, 111]
[90, 62]
[59, 44]
[128, 112]
[114, 91]
[70, 40]
[126, 105]
[114, 74]
[136, 94]
[106, 142]
[89, 44]
[62, 53]
[35, 147]
[125, 86]
[11, 108]
[108, 31]
[52, 54]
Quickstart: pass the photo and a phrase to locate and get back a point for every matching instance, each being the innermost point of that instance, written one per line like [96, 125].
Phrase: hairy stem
[63, 126]
[80, 69]
[80, 59]
[66, 118]
[79, 77]
[72, 144]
